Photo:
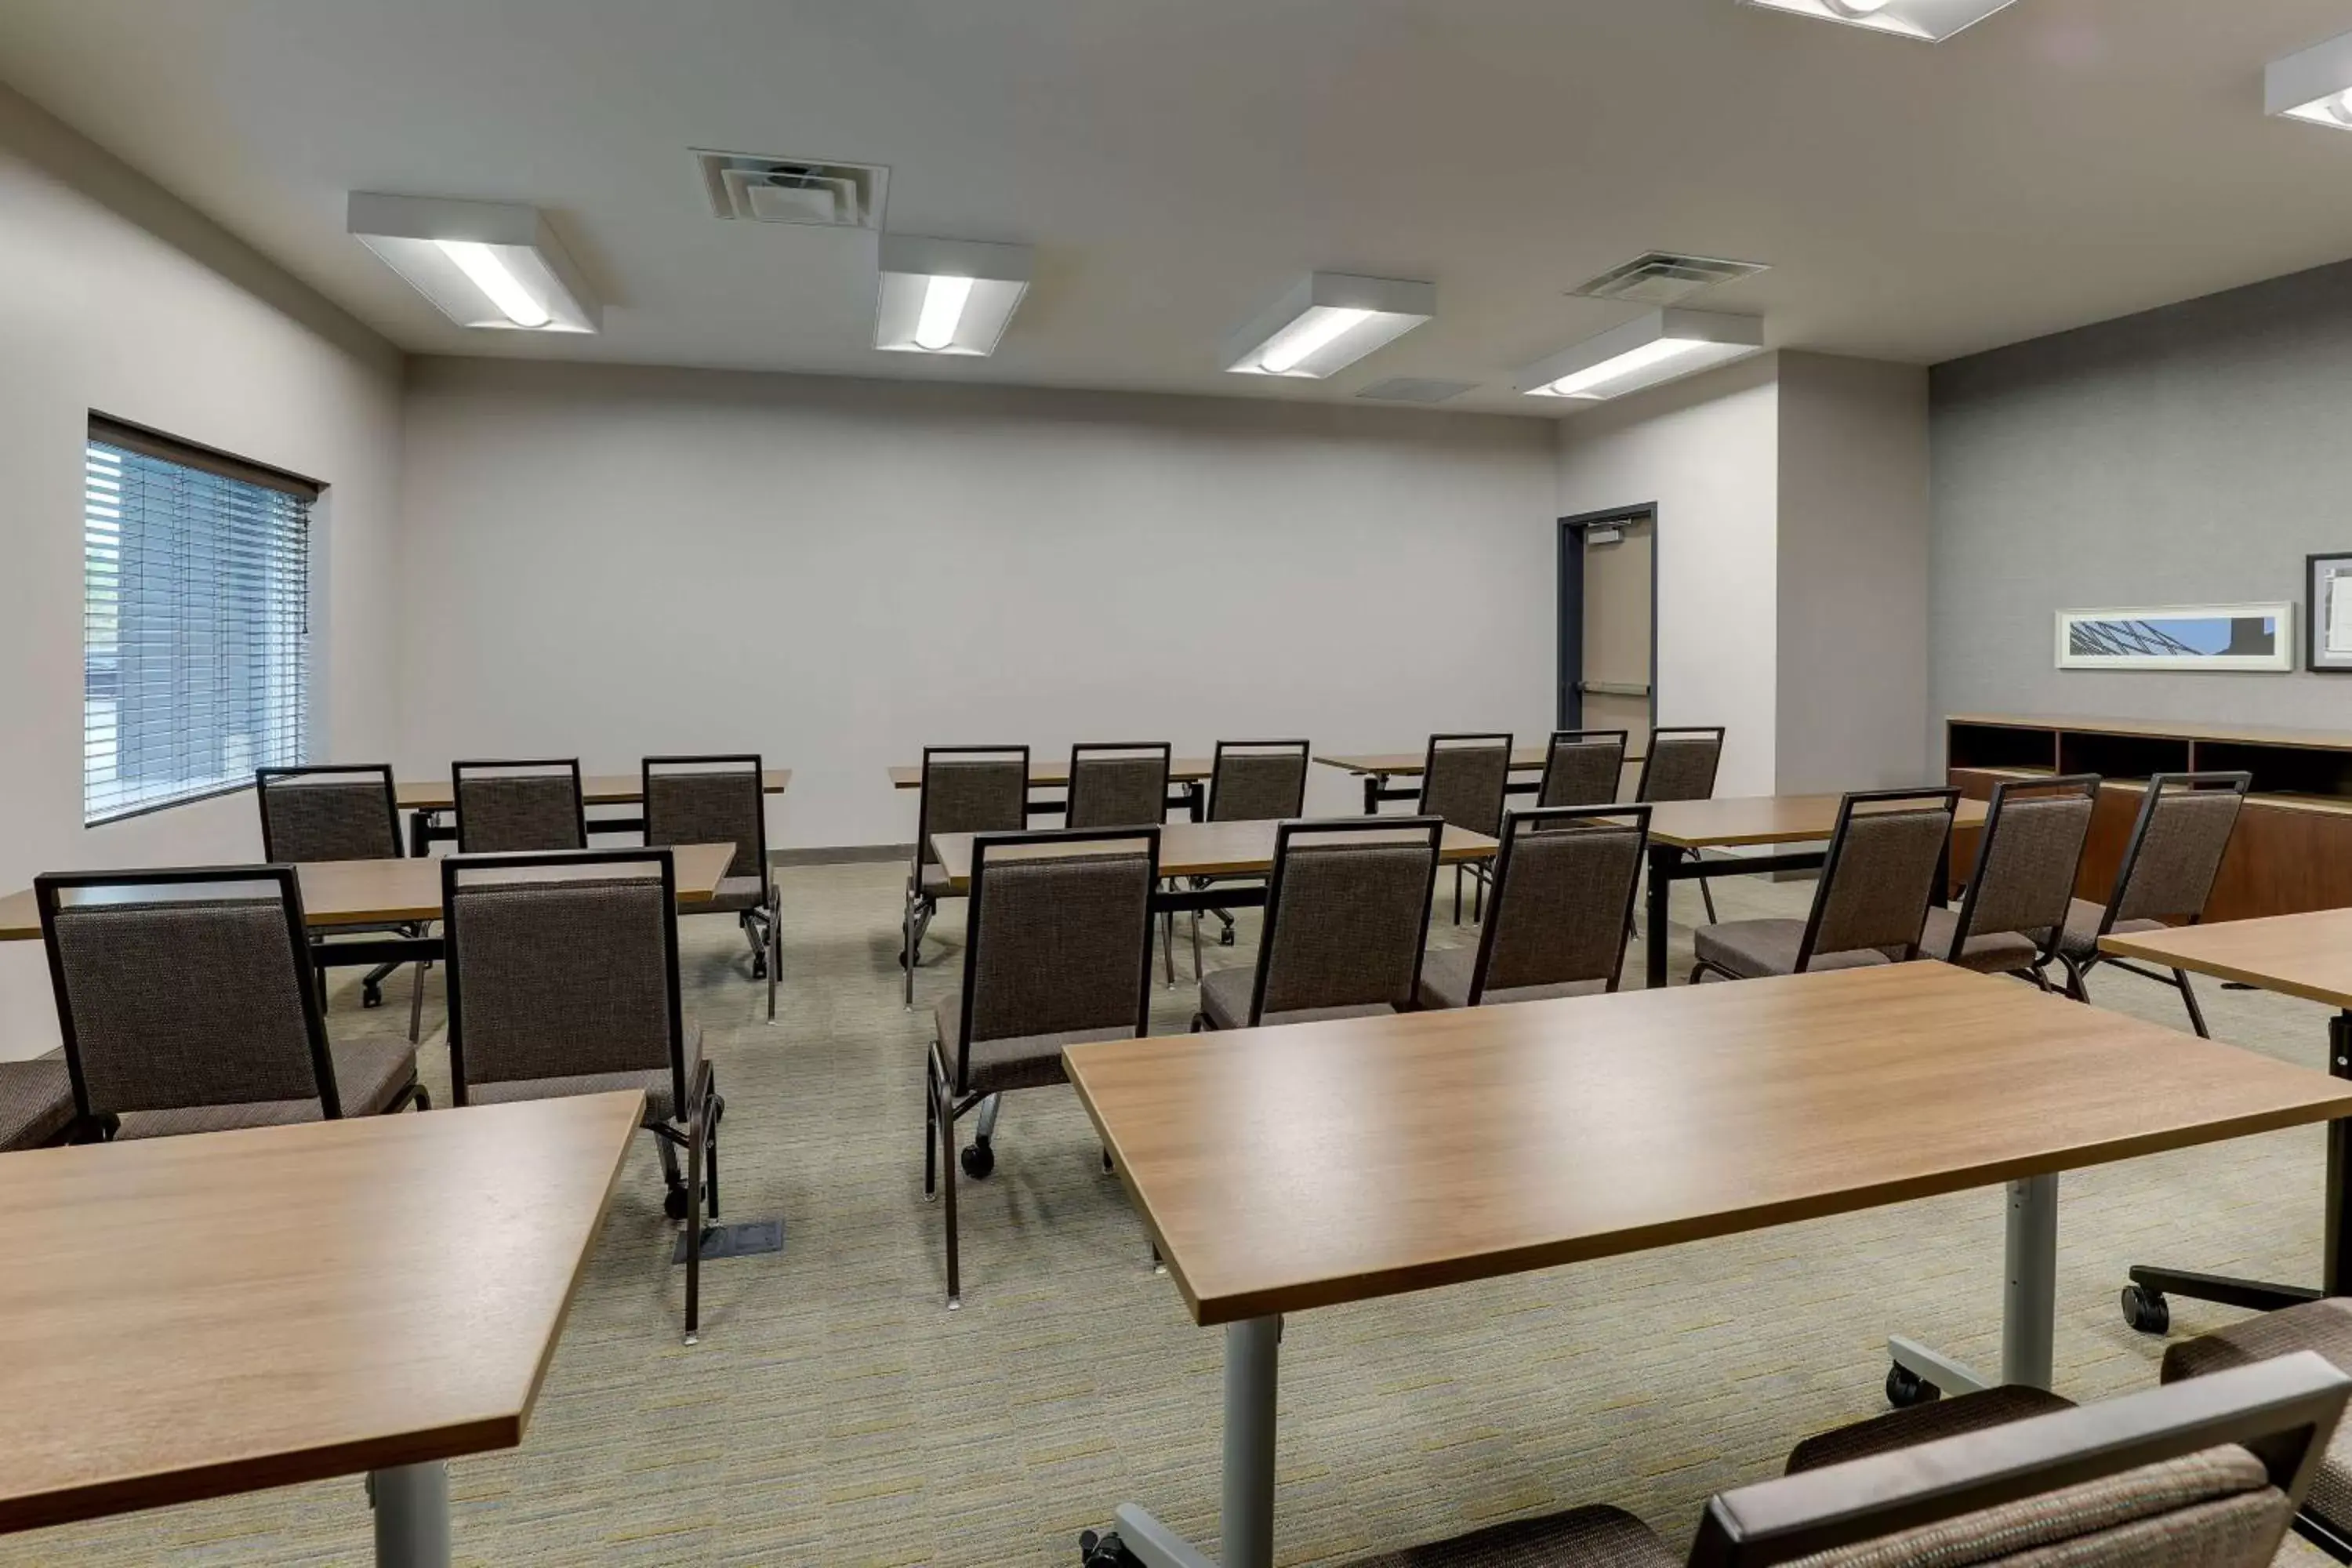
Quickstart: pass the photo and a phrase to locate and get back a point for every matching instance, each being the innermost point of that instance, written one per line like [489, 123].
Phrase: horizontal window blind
[195, 622]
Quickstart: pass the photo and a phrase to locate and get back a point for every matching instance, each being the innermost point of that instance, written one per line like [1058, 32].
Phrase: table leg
[1664, 860]
[1374, 785]
[2030, 1302]
[1252, 1362]
[412, 1515]
[2335, 1273]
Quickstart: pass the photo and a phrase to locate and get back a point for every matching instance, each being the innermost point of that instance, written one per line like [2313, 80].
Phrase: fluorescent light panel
[483, 264]
[947, 296]
[1659, 346]
[1931, 20]
[2314, 85]
[1326, 322]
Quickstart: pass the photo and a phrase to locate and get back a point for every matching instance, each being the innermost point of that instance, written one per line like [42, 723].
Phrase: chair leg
[1706, 892]
[1167, 944]
[2189, 995]
[930, 1134]
[1477, 895]
[948, 1161]
[1196, 946]
[907, 952]
[711, 1156]
[1458, 895]
[2076, 987]
[694, 1229]
[416, 1003]
[775, 947]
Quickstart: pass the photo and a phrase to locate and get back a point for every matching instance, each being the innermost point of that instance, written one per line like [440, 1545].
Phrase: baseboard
[840, 854]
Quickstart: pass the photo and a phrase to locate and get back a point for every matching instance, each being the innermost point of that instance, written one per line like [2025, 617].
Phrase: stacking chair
[1118, 784]
[1884, 859]
[966, 789]
[2153, 1478]
[1464, 780]
[1250, 781]
[1347, 911]
[187, 1004]
[2167, 871]
[723, 800]
[563, 981]
[504, 806]
[2324, 1328]
[1564, 882]
[1680, 764]
[2019, 896]
[1583, 767]
[1058, 953]
[341, 812]
[36, 1102]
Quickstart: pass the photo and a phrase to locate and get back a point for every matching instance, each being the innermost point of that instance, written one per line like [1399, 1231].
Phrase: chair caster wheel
[673, 1203]
[1906, 1388]
[979, 1160]
[370, 995]
[2147, 1310]
[759, 966]
[1225, 937]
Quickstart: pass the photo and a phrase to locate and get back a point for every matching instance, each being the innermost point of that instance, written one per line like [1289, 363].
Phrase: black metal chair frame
[946, 1103]
[1564, 819]
[1642, 789]
[2077, 973]
[421, 948]
[696, 1105]
[2086, 785]
[1475, 870]
[1560, 738]
[921, 906]
[1951, 799]
[762, 926]
[1085, 750]
[459, 770]
[1297, 808]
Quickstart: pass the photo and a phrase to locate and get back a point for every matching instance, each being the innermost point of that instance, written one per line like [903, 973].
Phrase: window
[195, 621]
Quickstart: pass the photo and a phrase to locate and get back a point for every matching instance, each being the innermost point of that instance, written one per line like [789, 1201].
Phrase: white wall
[1706, 450]
[605, 561]
[116, 297]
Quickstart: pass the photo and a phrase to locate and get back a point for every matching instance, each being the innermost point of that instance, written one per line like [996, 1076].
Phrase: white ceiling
[1178, 163]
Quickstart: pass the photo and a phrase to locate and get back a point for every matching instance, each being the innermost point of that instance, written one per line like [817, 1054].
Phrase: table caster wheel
[979, 1160]
[1906, 1388]
[2147, 1310]
[370, 995]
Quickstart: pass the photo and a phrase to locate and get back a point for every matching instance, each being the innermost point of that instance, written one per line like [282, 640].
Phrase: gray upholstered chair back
[710, 800]
[561, 965]
[1118, 785]
[507, 807]
[1680, 763]
[1346, 912]
[1582, 767]
[184, 988]
[1060, 937]
[2177, 847]
[1883, 858]
[1463, 780]
[327, 813]
[2024, 879]
[1563, 895]
[1258, 781]
[972, 789]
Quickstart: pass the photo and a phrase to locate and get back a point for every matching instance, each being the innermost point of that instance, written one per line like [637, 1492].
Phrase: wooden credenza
[2292, 849]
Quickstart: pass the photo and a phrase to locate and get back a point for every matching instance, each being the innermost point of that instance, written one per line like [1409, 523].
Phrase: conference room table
[1679, 830]
[1377, 768]
[191, 1318]
[2308, 956]
[1188, 781]
[1284, 1169]
[432, 805]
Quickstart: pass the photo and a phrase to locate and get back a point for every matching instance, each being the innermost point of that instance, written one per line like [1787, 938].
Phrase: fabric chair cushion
[733, 893]
[2324, 1327]
[1924, 1424]
[2081, 940]
[656, 1085]
[1753, 948]
[1580, 1538]
[35, 1101]
[1995, 952]
[1225, 1003]
[1445, 983]
[1026, 1061]
[369, 1074]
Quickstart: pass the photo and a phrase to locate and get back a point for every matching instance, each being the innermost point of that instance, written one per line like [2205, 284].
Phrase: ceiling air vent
[1415, 389]
[793, 190]
[1662, 278]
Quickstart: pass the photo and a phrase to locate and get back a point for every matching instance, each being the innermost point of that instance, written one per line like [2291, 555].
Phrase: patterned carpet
[834, 1413]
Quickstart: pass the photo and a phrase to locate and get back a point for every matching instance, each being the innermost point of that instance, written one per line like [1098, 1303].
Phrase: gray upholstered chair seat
[1927, 1423]
[1580, 1538]
[1225, 1001]
[2082, 938]
[733, 894]
[655, 1083]
[1995, 952]
[35, 1101]
[1752, 949]
[2324, 1327]
[370, 1075]
[1445, 983]
[1021, 1061]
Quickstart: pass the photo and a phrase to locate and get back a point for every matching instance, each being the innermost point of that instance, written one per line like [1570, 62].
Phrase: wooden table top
[1401, 764]
[1305, 1165]
[1054, 772]
[2151, 729]
[595, 789]
[2307, 955]
[1211, 849]
[1763, 819]
[389, 892]
[190, 1316]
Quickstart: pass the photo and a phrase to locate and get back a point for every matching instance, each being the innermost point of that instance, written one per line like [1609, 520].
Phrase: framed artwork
[2327, 614]
[2182, 637]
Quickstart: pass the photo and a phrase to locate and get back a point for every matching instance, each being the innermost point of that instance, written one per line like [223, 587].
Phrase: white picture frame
[2180, 638]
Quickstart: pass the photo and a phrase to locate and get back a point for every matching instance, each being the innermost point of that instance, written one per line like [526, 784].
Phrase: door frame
[1568, 701]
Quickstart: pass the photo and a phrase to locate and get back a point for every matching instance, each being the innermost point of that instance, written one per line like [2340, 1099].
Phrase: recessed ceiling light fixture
[482, 264]
[1658, 347]
[1932, 20]
[1328, 321]
[947, 296]
[2315, 85]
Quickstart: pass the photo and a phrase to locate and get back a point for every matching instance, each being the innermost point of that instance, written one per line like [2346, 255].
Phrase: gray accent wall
[2190, 455]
